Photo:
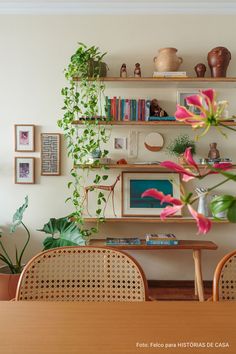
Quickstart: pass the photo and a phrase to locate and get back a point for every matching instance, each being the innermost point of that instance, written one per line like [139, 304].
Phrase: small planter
[8, 284]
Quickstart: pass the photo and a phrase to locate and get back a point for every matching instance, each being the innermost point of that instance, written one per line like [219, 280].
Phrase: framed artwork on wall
[50, 154]
[135, 183]
[24, 137]
[24, 170]
[181, 99]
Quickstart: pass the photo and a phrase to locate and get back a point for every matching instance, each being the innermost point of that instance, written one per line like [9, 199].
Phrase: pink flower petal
[170, 210]
[182, 113]
[209, 95]
[203, 224]
[154, 193]
[186, 178]
[195, 100]
[189, 158]
[223, 166]
[177, 168]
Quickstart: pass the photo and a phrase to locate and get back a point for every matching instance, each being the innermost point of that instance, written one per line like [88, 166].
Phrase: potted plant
[84, 102]
[64, 232]
[10, 272]
[178, 146]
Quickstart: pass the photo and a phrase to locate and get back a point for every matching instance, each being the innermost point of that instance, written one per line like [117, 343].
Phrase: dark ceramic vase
[200, 69]
[218, 61]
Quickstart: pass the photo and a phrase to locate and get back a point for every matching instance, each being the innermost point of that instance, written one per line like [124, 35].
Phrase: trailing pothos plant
[84, 101]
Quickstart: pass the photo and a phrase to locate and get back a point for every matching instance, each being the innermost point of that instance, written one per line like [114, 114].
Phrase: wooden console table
[195, 246]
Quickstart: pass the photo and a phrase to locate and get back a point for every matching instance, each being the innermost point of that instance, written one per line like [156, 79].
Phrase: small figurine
[123, 71]
[109, 188]
[137, 70]
[200, 69]
[214, 152]
[156, 110]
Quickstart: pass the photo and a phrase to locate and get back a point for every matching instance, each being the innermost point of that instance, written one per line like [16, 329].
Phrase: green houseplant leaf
[224, 203]
[63, 233]
[18, 216]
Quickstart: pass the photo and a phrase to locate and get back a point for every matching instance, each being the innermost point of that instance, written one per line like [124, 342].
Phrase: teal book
[162, 242]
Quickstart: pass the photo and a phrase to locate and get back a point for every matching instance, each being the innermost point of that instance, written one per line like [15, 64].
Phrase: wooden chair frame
[54, 251]
[217, 274]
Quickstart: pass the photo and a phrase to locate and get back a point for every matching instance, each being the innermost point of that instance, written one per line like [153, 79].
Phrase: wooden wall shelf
[156, 220]
[159, 123]
[154, 167]
[168, 79]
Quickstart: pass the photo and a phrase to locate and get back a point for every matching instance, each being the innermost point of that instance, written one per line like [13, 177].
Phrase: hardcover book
[113, 241]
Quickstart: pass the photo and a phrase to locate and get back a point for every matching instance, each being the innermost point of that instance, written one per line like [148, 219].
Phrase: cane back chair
[224, 283]
[82, 274]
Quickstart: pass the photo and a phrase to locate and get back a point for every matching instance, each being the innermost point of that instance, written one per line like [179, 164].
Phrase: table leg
[198, 274]
[195, 285]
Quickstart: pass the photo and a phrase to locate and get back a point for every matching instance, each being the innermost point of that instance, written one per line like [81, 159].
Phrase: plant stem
[27, 241]
[5, 252]
[210, 189]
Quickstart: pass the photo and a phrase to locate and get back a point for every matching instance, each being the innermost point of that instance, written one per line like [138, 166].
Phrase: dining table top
[107, 328]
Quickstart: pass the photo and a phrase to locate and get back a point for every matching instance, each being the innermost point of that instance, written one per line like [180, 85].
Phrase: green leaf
[231, 215]
[67, 233]
[18, 216]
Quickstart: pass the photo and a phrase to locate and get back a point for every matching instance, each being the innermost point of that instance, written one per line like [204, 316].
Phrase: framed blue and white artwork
[135, 183]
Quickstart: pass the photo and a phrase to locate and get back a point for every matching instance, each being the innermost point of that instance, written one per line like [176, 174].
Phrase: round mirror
[154, 142]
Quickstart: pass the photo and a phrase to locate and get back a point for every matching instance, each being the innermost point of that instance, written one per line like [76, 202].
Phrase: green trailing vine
[84, 100]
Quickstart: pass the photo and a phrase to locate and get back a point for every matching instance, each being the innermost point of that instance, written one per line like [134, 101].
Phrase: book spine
[162, 243]
[147, 110]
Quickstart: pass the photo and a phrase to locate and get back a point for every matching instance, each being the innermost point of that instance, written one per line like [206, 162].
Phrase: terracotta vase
[218, 61]
[8, 285]
[167, 60]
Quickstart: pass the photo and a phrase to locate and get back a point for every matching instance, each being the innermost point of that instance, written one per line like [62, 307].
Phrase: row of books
[124, 109]
[151, 239]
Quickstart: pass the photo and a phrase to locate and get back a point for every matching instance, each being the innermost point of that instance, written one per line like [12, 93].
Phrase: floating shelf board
[156, 220]
[135, 166]
[160, 123]
[167, 79]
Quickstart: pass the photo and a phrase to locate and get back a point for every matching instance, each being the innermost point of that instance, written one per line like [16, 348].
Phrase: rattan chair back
[224, 283]
[82, 274]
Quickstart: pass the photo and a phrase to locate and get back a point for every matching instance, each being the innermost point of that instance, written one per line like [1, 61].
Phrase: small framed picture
[24, 170]
[120, 143]
[135, 183]
[50, 154]
[181, 99]
[24, 137]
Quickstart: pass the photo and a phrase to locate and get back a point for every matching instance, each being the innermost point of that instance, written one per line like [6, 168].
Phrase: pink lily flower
[210, 112]
[192, 169]
[203, 224]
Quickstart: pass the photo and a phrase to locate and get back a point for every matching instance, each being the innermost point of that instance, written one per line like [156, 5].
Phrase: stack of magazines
[161, 239]
[114, 241]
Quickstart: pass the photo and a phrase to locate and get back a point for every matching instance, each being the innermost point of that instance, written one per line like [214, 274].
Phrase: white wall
[34, 51]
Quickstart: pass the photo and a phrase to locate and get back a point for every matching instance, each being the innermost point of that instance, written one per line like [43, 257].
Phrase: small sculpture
[156, 110]
[214, 152]
[202, 201]
[218, 61]
[123, 71]
[200, 69]
[109, 188]
[137, 70]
